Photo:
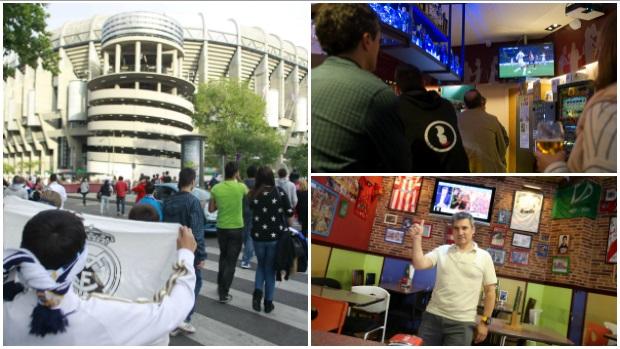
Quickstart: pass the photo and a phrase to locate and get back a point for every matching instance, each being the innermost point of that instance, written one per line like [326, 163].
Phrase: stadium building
[123, 96]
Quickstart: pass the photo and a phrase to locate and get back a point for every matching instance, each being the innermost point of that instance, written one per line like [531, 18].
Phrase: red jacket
[139, 190]
[121, 189]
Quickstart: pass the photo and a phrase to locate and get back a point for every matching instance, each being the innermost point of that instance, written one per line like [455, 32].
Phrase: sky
[290, 20]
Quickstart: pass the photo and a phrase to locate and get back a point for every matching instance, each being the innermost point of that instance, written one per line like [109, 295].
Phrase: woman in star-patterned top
[271, 216]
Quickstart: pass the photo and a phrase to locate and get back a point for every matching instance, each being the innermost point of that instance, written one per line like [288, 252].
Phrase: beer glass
[549, 137]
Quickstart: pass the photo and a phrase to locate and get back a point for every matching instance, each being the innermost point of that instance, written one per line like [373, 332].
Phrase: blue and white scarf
[50, 286]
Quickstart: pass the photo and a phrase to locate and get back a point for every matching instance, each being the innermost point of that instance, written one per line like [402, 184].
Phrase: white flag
[128, 259]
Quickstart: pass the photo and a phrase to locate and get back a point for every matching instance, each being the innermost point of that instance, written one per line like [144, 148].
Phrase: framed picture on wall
[563, 242]
[542, 250]
[405, 193]
[407, 223]
[498, 236]
[519, 257]
[503, 216]
[394, 235]
[449, 235]
[521, 240]
[324, 205]
[560, 265]
[526, 211]
[499, 256]
[612, 242]
[390, 219]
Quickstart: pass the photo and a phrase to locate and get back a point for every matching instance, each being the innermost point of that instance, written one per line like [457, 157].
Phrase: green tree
[297, 158]
[25, 36]
[232, 117]
[8, 168]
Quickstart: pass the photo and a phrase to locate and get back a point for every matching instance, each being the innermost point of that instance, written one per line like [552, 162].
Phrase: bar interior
[533, 62]
[552, 241]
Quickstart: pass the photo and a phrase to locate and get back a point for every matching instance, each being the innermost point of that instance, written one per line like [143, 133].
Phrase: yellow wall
[511, 286]
[320, 257]
[600, 308]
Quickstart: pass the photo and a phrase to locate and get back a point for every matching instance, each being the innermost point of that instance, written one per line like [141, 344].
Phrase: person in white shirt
[18, 188]
[57, 187]
[462, 269]
[287, 186]
[42, 308]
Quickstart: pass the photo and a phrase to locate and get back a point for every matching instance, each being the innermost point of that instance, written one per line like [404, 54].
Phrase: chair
[330, 314]
[368, 326]
[594, 334]
[326, 282]
[358, 278]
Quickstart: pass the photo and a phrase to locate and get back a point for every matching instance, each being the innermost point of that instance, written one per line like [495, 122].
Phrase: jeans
[120, 202]
[437, 330]
[265, 273]
[197, 288]
[230, 241]
[104, 204]
[84, 198]
[248, 243]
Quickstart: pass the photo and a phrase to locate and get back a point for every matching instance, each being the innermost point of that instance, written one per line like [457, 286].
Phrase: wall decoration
[544, 237]
[498, 236]
[344, 208]
[369, 192]
[563, 244]
[407, 223]
[405, 193]
[542, 250]
[521, 240]
[526, 211]
[519, 257]
[560, 265]
[324, 204]
[394, 235]
[579, 200]
[426, 230]
[608, 205]
[390, 219]
[346, 186]
[503, 216]
[499, 256]
[611, 242]
[449, 235]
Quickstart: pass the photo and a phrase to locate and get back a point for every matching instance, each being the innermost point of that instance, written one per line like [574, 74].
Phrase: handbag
[98, 195]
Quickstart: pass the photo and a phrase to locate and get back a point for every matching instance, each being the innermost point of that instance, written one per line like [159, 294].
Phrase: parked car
[165, 190]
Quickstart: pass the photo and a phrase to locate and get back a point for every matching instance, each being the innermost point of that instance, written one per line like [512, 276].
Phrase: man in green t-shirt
[227, 199]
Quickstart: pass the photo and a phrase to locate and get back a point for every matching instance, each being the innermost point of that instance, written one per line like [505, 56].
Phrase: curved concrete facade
[141, 70]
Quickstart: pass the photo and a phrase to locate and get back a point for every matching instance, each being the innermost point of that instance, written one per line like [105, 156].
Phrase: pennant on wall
[579, 200]
[405, 193]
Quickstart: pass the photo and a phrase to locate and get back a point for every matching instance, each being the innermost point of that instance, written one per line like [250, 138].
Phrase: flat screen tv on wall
[450, 197]
[520, 61]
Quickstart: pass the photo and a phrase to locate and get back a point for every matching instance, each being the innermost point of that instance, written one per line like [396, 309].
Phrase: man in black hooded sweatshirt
[431, 126]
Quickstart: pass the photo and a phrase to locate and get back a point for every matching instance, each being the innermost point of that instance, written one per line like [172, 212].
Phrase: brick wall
[588, 238]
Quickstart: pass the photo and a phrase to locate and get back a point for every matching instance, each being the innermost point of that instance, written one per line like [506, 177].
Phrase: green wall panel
[342, 263]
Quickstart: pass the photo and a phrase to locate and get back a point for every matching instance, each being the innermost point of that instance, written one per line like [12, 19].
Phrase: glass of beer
[549, 137]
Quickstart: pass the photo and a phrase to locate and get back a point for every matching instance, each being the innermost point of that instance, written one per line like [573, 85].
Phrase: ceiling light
[532, 187]
[575, 24]
[553, 27]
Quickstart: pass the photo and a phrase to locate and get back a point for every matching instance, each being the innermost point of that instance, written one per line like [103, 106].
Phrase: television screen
[450, 197]
[526, 61]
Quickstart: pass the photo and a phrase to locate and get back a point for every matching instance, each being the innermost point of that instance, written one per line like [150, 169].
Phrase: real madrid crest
[102, 273]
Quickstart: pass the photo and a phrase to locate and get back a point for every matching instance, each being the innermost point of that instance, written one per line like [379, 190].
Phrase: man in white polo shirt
[462, 269]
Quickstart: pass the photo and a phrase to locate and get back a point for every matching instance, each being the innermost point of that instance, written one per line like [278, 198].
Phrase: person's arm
[419, 260]
[143, 324]
[294, 196]
[489, 304]
[197, 221]
[212, 204]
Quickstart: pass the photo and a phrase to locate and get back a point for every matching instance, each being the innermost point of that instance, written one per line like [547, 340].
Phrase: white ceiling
[501, 22]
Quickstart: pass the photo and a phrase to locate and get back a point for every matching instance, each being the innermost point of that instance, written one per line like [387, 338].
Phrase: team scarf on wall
[126, 259]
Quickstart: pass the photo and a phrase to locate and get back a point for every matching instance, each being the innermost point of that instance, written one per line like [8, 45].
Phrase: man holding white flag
[41, 306]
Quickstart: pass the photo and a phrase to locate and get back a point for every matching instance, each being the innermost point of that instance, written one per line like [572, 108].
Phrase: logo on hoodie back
[440, 136]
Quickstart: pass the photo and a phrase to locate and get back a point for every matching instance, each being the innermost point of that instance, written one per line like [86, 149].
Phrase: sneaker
[245, 265]
[186, 327]
[225, 299]
[175, 332]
